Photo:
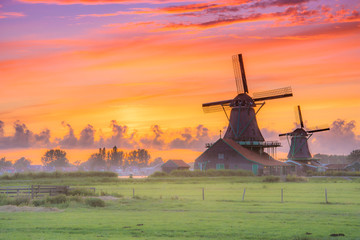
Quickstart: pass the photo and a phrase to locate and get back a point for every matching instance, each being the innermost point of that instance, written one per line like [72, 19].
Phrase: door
[255, 169]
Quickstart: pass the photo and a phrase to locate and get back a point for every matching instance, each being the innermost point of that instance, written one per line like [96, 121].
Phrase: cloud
[156, 141]
[97, 2]
[69, 140]
[23, 137]
[1, 128]
[192, 139]
[341, 139]
[120, 137]
[11, 14]
[43, 138]
[87, 136]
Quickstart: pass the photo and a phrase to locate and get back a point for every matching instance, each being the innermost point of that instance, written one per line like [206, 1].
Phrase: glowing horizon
[149, 65]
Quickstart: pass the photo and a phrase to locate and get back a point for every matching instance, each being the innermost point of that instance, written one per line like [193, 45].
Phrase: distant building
[353, 167]
[335, 167]
[171, 165]
[228, 154]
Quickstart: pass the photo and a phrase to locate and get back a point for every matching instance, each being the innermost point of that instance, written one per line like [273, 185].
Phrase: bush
[38, 202]
[293, 178]
[271, 179]
[333, 173]
[56, 199]
[80, 192]
[95, 202]
[207, 173]
[159, 174]
[58, 174]
[22, 200]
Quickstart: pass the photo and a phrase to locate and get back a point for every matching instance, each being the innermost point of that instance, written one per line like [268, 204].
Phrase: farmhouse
[228, 154]
[171, 165]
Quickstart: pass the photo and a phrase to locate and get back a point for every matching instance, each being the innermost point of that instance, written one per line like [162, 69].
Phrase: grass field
[174, 208]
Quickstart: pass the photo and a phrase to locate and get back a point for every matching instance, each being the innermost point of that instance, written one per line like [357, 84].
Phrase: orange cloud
[95, 2]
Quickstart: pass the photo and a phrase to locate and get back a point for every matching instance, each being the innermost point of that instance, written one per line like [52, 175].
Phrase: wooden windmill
[243, 127]
[299, 148]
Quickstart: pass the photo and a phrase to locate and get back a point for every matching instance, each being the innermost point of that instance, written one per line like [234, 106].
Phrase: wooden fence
[34, 190]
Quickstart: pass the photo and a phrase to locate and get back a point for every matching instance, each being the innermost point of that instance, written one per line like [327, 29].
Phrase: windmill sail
[300, 117]
[239, 72]
[216, 106]
[273, 94]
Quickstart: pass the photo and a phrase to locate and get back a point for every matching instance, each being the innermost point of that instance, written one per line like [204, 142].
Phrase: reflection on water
[132, 176]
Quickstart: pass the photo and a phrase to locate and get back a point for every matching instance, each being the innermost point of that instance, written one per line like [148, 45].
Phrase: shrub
[21, 200]
[58, 174]
[293, 178]
[95, 202]
[56, 199]
[271, 179]
[80, 192]
[38, 202]
[207, 173]
[159, 174]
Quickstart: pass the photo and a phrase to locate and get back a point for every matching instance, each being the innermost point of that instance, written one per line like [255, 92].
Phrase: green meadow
[173, 208]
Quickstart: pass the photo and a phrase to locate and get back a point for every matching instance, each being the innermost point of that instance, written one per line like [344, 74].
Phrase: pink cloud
[96, 2]
[11, 14]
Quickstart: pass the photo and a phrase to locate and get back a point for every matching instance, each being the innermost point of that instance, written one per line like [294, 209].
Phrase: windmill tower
[243, 127]
[299, 148]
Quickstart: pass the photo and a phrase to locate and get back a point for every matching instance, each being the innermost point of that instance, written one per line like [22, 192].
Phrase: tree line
[102, 160]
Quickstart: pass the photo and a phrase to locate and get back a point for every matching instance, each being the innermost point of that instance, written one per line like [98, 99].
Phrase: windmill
[243, 127]
[299, 148]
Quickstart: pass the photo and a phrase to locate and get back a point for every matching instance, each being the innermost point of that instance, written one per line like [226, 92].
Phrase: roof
[176, 163]
[335, 166]
[252, 156]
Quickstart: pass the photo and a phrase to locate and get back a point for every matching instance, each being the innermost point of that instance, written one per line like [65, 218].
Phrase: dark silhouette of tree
[96, 161]
[22, 164]
[354, 156]
[115, 158]
[139, 158]
[4, 163]
[55, 158]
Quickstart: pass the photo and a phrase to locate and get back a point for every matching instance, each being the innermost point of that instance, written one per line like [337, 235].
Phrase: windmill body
[299, 148]
[242, 123]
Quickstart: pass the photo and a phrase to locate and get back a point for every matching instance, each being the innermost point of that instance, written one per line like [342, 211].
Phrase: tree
[115, 158]
[138, 158]
[354, 156]
[55, 158]
[22, 164]
[96, 161]
[4, 163]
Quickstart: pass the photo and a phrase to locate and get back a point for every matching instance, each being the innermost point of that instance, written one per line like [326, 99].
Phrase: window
[220, 166]
[220, 156]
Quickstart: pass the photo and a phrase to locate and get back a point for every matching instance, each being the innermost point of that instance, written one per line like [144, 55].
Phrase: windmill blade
[273, 94]
[299, 116]
[216, 106]
[284, 134]
[318, 130]
[239, 72]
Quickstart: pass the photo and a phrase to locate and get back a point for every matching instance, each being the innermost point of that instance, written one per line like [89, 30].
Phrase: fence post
[133, 192]
[244, 194]
[32, 191]
[326, 201]
[17, 192]
[282, 196]
[203, 193]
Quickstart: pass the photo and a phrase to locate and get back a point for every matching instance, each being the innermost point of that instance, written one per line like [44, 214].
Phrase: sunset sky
[83, 74]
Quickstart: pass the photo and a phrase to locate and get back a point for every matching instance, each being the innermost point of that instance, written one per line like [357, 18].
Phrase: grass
[173, 208]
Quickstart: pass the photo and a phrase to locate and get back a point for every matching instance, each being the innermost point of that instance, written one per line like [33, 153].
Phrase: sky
[84, 74]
